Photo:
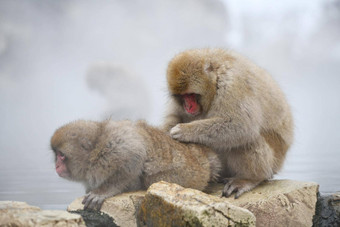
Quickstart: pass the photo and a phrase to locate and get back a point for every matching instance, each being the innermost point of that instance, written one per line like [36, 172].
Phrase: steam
[125, 93]
[65, 60]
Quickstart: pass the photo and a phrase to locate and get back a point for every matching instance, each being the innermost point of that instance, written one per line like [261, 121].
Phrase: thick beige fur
[112, 157]
[244, 114]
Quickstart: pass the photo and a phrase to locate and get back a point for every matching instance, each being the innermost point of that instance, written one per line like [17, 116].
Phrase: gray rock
[327, 210]
[96, 218]
[121, 208]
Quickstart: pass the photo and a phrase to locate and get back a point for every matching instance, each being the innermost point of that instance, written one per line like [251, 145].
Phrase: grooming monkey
[222, 100]
[112, 157]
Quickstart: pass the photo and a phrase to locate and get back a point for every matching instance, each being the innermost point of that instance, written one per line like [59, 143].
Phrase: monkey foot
[239, 186]
[93, 201]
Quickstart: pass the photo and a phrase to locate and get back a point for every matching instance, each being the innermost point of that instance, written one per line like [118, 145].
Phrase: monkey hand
[209, 132]
[239, 186]
[93, 201]
[180, 132]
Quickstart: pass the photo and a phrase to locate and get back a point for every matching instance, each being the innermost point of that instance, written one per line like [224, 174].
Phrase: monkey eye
[61, 155]
[176, 96]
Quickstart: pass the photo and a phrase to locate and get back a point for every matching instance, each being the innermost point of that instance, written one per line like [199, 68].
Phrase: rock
[273, 203]
[278, 202]
[168, 204]
[122, 208]
[6, 206]
[96, 218]
[327, 210]
[21, 214]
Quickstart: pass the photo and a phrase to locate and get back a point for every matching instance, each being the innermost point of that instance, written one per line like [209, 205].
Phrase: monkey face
[196, 99]
[60, 165]
[72, 145]
[190, 102]
[192, 81]
[71, 157]
[194, 92]
[70, 161]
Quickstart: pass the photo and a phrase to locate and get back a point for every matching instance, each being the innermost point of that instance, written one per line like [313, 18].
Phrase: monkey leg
[250, 166]
[96, 197]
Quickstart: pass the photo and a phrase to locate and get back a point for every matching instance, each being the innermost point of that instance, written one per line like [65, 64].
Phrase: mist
[67, 60]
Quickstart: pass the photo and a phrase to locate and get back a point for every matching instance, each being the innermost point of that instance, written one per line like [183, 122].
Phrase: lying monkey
[112, 157]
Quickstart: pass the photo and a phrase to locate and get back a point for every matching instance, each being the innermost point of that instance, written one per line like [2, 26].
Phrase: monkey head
[72, 146]
[192, 82]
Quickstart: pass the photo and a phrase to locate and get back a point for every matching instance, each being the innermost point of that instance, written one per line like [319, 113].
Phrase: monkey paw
[93, 201]
[239, 186]
[179, 133]
[176, 132]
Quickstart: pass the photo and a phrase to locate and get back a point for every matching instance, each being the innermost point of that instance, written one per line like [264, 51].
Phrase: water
[40, 188]
[47, 48]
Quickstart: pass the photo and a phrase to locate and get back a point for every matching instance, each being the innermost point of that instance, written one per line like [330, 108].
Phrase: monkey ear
[208, 67]
[86, 144]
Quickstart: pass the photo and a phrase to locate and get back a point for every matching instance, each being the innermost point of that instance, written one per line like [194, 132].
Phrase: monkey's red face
[191, 104]
[60, 165]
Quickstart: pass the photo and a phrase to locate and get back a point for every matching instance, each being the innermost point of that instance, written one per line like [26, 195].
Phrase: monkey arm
[94, 199]
[170, 121]
[117, 172]
[113, 186]
[218, 133]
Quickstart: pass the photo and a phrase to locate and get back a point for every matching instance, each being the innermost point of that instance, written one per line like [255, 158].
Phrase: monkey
[222, 100]
[112, 157]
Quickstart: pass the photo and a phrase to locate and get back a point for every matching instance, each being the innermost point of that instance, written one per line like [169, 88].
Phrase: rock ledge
[21, 214]
[273, 203]
[168, 204]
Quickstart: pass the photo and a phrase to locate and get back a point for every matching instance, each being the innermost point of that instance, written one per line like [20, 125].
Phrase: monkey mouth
[61, 172]
[60, 165]
[190, 104]
[192, 113]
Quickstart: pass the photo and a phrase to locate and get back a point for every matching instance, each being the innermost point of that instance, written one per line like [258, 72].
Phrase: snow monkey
[222, 100]
[112, 157]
